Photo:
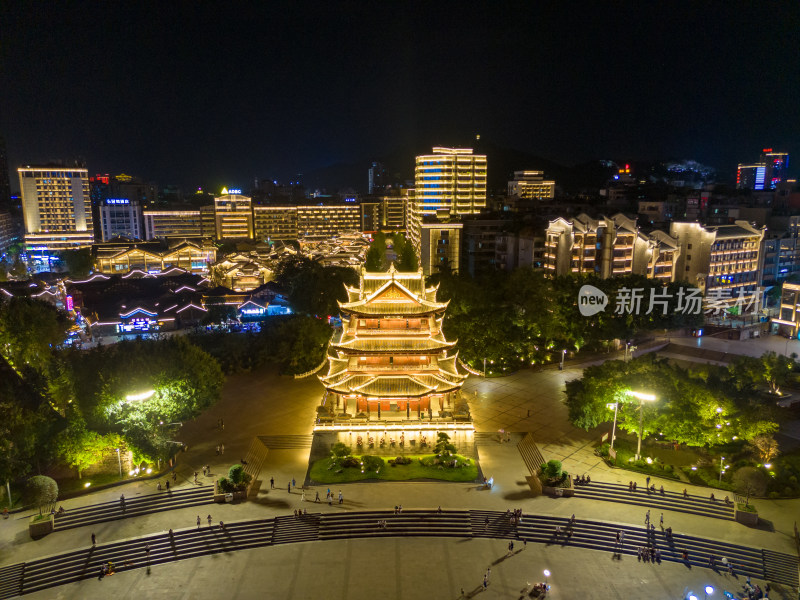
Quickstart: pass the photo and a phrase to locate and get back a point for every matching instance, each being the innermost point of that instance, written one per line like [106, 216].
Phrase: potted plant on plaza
[234, 486]
[555, 481]
[42, 492]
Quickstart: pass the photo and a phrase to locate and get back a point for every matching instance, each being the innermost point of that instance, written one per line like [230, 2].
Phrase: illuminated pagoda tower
[391, 361]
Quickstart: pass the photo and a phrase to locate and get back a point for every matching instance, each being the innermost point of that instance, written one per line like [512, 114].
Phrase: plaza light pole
[484, 368]
[641, 397]
[563, 356]
[721, 468]
[120, 463]
[614, 427]
[546, 575]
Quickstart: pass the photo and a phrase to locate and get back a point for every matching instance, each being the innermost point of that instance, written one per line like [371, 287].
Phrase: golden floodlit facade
[390, 362]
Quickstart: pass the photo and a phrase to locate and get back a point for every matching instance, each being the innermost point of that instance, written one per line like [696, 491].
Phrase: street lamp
[120, 463]
[484, 368]
[614, 427]
[563, 356]
[721, 468]
[546, 575]
[641, 397]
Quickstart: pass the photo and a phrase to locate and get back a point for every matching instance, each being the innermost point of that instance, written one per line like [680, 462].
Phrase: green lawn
[320, 473]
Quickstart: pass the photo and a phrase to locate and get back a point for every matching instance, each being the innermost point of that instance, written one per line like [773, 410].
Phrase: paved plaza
[429, 568]
[264, 403]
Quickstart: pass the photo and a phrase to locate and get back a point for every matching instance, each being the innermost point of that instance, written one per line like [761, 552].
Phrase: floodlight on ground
[140, 397]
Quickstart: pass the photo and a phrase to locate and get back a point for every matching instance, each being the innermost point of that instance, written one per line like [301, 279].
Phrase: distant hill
[502, 162]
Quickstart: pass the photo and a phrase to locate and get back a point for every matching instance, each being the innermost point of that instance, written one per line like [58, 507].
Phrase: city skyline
[229, 96]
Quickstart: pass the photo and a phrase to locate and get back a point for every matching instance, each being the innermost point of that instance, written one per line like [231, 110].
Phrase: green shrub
[552, 469]
[340, 450]
[226, 486]
[774, 495]
[372, 463]
[402, 460]
[350, 461]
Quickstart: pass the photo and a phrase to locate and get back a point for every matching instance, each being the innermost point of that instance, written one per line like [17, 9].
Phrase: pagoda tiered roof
[392, 293]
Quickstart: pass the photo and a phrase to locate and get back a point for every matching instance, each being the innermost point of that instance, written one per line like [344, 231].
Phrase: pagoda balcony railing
[355, 368]
[395, 331]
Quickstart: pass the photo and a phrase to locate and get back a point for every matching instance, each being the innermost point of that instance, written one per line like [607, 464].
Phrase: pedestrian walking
[204, 470]
[195, 476]
[647, 517]
[222, 448]
[303, 496]
[217, 449]
[198, 521]
[158, 487]
[166, 484]
[174, 477]
[221, 525]
[341, 498]
[316, 498]
[485, 582]
[122, 501]
[510, 547]
[222, 424]
[662, 490]
[289, 487]
[209, 520]
[648, 480]
[272, 483]
[634, 486]
[147, 551]
[94, 540]
[293, 483]
[662, 521]
[685, 493]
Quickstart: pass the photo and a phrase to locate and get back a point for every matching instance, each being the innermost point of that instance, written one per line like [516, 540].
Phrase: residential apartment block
[531, 184]
[608, 247]
[721, 257]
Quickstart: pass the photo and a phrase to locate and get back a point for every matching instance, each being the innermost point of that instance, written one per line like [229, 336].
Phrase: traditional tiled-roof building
[391, 360]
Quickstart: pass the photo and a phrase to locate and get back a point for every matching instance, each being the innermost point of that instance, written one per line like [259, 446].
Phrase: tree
[81, 448]
[340, 450]
[79, 263]
[444, 447]
[42, 492]
[776, 369]
[407, 259]
[29, 330]
[766, 447]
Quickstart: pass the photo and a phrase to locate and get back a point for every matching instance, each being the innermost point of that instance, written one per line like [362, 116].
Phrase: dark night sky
[192, 94]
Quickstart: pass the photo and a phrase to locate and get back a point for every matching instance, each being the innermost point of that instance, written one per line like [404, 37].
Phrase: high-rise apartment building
[383, 212]
[121, 217]
[56, 208]
[452, 179]
[233, 216]
[377, 178]
[767, 174]
[531, 184]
